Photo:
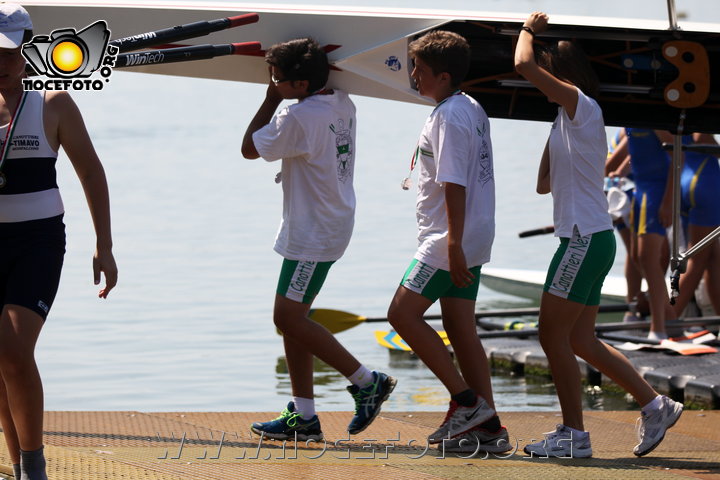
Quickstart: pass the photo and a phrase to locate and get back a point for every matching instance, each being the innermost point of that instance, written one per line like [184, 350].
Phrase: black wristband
[528, 29]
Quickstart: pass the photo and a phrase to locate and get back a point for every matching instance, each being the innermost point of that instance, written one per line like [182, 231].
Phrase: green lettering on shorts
[580, 265]
[434, 283]
[301, 280]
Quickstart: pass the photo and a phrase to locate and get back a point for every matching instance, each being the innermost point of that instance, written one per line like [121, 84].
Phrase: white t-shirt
[315, 139]
[455, 147]
[578, 149]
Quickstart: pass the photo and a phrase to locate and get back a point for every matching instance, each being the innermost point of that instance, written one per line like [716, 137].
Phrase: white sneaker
[459, 420]
[562, 443]
[479, 440]
[657, 335]
[653, 425]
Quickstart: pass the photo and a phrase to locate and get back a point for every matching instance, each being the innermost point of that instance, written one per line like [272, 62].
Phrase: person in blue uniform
[652, 215]
[700, 187]
[32, 234]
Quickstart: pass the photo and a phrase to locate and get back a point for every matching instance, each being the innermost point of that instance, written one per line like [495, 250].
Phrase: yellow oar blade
[335, 320]
[392, 340]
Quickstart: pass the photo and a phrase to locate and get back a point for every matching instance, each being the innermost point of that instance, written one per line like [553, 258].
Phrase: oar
[183, 54]
[181, 32]
[608, 327]
[338, 321]
[537, 231]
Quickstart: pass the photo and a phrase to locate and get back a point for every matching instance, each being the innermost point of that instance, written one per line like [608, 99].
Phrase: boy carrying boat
[315, 138]
[32, 233]
[456, 228]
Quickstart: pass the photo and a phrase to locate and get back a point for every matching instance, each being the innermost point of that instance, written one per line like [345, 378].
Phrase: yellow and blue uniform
[700, 187]
[650, 164]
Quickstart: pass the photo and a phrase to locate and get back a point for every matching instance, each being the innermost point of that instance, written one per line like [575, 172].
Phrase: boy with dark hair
[315, 138]
[456, 227]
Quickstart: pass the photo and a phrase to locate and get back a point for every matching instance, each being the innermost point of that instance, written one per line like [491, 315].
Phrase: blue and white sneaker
[288, 425]
[368, 400]
[562, 443]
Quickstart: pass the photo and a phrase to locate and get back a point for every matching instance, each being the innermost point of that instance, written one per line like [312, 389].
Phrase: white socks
[305, 407]
[362, 377]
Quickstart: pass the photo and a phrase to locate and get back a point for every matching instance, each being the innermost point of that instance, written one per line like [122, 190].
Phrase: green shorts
[580, 265]
[433, 283]
[302, 280]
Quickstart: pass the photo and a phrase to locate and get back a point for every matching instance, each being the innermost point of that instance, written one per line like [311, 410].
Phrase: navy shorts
[31, 258]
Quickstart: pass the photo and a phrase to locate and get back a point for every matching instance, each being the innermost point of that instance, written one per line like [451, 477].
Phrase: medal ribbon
[407, 182]
[11, 129]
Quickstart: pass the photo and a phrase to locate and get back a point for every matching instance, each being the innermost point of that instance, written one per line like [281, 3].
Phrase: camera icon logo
[67, 53]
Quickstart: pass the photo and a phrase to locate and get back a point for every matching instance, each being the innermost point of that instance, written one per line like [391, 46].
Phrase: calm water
[189, 325]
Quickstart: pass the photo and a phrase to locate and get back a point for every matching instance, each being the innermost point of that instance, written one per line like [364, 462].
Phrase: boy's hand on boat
[537, 22]
[272, 93]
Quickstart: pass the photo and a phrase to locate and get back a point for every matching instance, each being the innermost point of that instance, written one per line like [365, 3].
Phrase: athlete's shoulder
[59, 101]
[463, 109]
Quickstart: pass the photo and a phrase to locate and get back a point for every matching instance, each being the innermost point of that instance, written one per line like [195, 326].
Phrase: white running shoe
[478, 440]
[562, 443]
[653, 425]
[459, 420]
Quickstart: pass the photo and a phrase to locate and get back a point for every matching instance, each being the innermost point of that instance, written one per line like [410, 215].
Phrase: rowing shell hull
[529, 284]
[371, 54]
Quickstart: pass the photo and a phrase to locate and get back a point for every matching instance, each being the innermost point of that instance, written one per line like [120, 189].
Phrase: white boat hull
[371, 54]
[529, 284]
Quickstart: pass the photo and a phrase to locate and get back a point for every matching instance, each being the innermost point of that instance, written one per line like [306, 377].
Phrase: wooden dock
[215, 445]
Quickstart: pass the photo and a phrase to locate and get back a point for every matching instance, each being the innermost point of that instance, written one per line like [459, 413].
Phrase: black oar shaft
[183, 54]
[537, 231]
[607, 327]
[705, 149]
[628, 338]
[512, 312]
[181, 32]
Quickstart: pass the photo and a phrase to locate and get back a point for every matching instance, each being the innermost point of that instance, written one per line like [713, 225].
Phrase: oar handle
[181, 32]
[184, 54]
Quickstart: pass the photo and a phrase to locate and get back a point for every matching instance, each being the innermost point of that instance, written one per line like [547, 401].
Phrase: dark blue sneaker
[287, 425]
[369, 400]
